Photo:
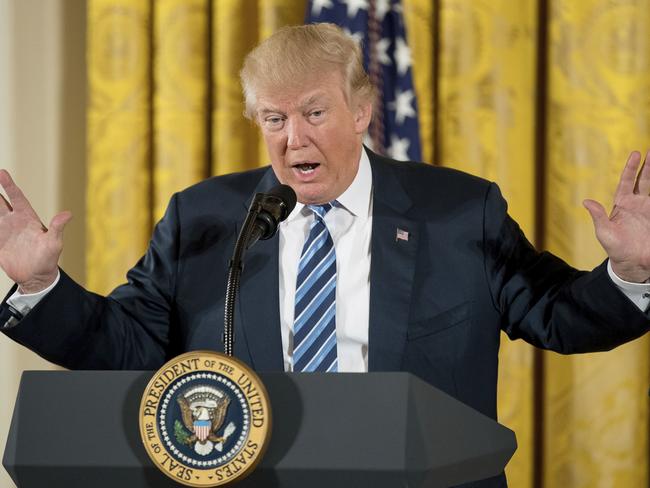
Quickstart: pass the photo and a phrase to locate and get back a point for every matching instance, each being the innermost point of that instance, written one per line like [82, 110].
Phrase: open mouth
[306, 168]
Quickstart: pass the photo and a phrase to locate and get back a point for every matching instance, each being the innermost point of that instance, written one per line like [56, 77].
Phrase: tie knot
[321, 210]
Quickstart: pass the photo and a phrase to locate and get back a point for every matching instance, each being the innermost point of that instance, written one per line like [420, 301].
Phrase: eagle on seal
[203, 410]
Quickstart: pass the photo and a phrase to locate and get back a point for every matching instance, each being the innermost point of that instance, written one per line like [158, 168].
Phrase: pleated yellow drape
[486, 114]
[180, 110]
[420, 19]
[596, 406]
[236, 32]
[118, 209]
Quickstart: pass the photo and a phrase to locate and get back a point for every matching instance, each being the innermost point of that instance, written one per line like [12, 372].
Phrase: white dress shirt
[350, 225]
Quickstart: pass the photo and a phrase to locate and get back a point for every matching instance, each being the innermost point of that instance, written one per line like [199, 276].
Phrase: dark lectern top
[79, 429]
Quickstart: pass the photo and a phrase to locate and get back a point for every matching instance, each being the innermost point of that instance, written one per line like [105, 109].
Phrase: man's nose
[296, 133]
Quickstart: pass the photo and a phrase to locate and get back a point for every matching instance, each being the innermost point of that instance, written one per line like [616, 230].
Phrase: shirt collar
[356, 198]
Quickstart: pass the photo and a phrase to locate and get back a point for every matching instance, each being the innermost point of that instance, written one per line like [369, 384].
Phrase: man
[382, 266]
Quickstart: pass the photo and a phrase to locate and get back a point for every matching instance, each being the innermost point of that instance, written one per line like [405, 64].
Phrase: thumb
[58, 223]
[597, 212]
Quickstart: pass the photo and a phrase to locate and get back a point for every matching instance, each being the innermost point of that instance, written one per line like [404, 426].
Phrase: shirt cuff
[24, 302]
[639, 293]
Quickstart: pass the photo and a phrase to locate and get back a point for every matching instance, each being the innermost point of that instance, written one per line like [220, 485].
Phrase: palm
[624, 234]
[29, 253]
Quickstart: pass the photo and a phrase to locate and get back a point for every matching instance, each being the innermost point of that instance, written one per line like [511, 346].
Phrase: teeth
[306, 168]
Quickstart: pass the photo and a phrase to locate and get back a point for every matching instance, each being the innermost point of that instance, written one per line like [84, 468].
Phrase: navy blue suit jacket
[438, 301]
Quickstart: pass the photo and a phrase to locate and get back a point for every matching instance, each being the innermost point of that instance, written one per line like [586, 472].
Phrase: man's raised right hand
[29, 252]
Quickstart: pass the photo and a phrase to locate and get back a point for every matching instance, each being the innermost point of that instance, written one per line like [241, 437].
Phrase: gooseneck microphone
[266, 211]
[269, 210]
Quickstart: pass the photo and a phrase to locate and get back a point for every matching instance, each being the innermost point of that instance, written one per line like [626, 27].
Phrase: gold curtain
[485, 112]
[119, 64]
[598, 110]
[180, 109]
[547, 91]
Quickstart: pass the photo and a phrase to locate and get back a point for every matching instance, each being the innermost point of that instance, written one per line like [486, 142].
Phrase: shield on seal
[202, 429]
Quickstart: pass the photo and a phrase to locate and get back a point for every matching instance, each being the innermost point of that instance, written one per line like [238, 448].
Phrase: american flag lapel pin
[401, 235]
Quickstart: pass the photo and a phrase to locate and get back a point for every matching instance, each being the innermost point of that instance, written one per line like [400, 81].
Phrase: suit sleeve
[129, 329]
[545, 301]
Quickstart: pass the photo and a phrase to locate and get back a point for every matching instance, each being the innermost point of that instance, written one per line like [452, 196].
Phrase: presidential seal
[205, 419]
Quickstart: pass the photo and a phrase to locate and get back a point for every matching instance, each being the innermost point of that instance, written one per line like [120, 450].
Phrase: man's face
[313, 137]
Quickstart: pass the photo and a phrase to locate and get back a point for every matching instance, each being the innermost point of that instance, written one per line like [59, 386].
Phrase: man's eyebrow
[269, 110]
[314, 99]
[318, 98]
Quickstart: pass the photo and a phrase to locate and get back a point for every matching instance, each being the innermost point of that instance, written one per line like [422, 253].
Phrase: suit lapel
[259, 298]
[393, 255]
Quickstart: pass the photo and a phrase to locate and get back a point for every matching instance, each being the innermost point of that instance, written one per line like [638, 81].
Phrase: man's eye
[274, 122]
[317, 116]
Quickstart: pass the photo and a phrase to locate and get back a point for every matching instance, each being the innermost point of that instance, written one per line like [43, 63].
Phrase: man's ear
[362, 116]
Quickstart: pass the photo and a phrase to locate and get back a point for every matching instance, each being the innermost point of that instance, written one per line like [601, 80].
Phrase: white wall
[9, 375]
[42, 140]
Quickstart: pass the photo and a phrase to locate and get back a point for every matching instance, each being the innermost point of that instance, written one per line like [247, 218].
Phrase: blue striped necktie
[314, 325]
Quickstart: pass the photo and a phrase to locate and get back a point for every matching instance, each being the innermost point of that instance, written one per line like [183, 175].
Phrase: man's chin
[312, 194]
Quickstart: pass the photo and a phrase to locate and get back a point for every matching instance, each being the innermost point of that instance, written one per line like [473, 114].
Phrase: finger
[628, 176]
[597, 212]
[16, 198]
[642, 186]
[58, 223]
[5, 208]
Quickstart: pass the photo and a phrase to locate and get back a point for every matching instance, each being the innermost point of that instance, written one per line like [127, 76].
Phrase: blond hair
[293, 54]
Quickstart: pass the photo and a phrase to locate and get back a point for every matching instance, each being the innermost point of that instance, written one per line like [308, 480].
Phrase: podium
[78, 429]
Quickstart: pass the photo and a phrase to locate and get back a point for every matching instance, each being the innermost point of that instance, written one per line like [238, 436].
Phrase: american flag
[379, 26]
[202, 429]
